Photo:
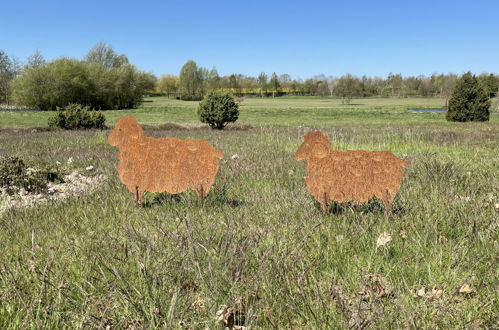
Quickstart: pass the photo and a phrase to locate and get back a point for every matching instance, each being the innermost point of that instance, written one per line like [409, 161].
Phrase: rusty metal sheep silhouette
[353, 175]
[162, 164]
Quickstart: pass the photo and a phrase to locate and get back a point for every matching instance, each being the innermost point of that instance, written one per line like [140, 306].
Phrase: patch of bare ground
[366, 306]
[73, 184]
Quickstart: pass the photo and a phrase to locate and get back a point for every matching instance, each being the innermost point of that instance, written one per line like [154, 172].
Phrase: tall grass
[258, 243]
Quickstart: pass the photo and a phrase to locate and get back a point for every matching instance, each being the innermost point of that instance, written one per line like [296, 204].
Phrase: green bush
[14, 175]
[469, 101]
[191, 97]
[64, 81]
[218, 109]
[75, 116]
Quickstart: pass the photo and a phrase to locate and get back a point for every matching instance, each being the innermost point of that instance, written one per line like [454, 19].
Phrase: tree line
[194, 81]
[104, 79]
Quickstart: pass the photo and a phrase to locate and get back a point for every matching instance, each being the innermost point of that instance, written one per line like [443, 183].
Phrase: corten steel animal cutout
[162, 164]
[353, 175]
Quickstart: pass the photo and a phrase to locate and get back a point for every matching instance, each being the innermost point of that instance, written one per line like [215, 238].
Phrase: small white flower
[235, 156]
[70, 160]
[57, 162]
[89, 168]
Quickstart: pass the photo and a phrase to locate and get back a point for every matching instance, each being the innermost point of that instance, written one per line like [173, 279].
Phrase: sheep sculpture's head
[127, 131]
[316, 145]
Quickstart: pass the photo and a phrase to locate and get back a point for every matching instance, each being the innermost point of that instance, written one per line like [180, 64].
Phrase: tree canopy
[8, 71]
[347, 87]
[103, 80]
[191, 81]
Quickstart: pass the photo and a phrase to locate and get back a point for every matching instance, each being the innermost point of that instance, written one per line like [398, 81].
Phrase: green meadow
[277, 112]
[258, 250]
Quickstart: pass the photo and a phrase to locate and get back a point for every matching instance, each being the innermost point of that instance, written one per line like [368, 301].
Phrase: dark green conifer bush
[469, 101]
[218, 109]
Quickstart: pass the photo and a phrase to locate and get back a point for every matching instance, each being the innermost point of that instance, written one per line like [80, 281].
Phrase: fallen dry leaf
[442, 239]
[198, 304]
[421, 292]
[465, 289]
[232, 317]
[403, 234]
[435, 294]
[383, 239]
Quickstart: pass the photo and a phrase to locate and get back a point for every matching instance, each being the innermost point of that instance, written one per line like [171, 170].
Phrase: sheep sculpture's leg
[388, 208]
[388, 198]
[138, 196]
[201, 192]
[324, 204]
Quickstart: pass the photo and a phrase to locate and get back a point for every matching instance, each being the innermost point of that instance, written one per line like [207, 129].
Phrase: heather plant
[15, 175]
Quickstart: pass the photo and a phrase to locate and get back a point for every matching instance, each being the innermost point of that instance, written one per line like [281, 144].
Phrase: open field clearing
[282, 111]
[258, 244]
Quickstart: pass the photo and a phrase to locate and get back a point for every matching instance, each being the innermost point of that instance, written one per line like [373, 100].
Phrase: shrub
[75, 116]
[218, 109]
[191, 97]
[64, 81]
[469, 101]
[14, 175]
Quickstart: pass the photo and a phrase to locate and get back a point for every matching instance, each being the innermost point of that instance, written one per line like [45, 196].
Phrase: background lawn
[281, 111]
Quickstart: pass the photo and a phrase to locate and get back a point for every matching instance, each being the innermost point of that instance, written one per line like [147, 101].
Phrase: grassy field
[278, 112]
[259, 244]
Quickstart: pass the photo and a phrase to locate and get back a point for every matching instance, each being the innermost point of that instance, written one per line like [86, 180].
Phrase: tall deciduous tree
[213, 81]
[167, 84]
[106, 56]
[234, 83]
[274, 84]
[34, 61]
[347, 87]
[8, 71]
[395, 82]
[262, 82]
[191, 81]
[322, 88]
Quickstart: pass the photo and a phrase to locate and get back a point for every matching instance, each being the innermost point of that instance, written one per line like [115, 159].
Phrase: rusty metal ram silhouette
[353, 175]
[162, 164]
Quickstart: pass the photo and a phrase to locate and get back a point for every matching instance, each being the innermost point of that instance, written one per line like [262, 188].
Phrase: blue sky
[301, 38]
